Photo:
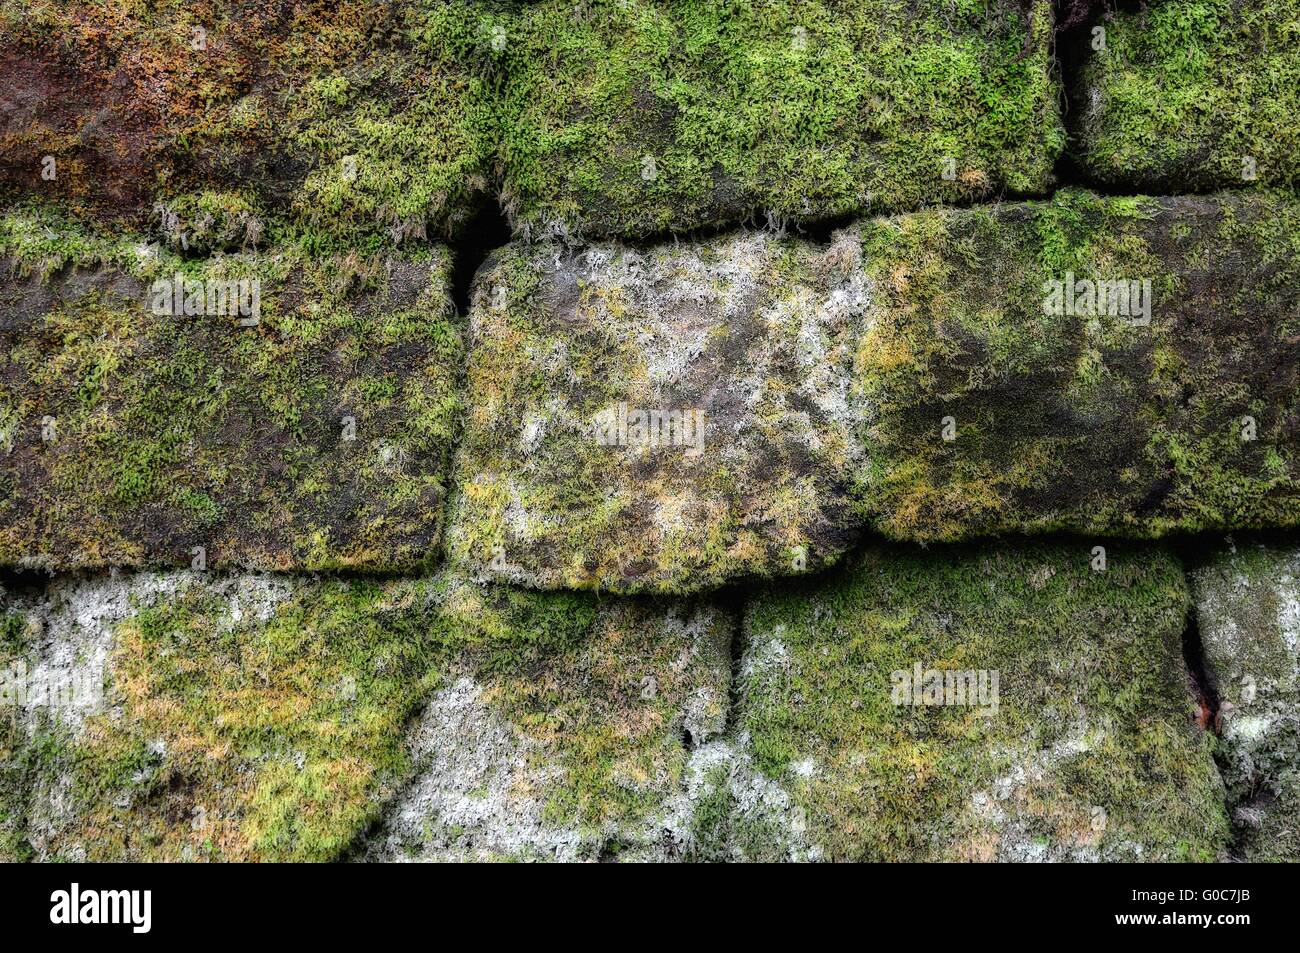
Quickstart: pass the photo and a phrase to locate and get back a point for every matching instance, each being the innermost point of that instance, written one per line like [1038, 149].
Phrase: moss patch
[316, 438]
[1090, 751]
[1194, 95]
[643, 116]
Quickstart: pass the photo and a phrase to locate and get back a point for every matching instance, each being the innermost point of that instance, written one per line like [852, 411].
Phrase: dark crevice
[1073, 48]
[487, 231]
[23, 583]
[737, 602]
[1202, 685]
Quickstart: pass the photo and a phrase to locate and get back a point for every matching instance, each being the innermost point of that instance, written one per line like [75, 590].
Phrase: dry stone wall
[654, 430]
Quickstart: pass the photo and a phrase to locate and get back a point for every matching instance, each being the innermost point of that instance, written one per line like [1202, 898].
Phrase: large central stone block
[671, 418]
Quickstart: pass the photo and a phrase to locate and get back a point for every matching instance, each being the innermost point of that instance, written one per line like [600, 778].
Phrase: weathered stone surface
[578, 749]
[1248, 613]
[1087, 751]
[318, 437]
[222, 121]
[643, 116]
[1182, 418]
[830, 375]
[268, 717]
[748, 340]
[1190, 95]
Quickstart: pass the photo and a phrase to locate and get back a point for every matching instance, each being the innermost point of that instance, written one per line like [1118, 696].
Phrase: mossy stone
[1084, 748]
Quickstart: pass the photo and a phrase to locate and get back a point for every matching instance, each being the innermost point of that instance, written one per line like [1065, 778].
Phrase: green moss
[1087, 422]
[639, 117]
[1089, 750]
[171, 433]
[256, 718]
[750, 335]
[1193, 95]
[352, 124]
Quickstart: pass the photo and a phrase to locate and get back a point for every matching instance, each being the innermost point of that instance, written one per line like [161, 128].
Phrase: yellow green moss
[1089, 750]
[317, 437]
[256, 718]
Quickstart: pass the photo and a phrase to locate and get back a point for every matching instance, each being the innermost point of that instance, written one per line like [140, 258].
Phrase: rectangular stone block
[1008, 703]
[671, 418]
[190, 716]
[1191, 95]
[277, 410]
[642, 117]
[1127, 366]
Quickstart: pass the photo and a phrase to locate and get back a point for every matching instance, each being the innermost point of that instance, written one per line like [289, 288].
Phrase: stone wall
[675, 430]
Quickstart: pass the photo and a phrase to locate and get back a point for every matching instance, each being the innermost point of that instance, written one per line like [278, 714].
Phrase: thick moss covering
[262, 717]
[747, 340]
[1087, 750]
[1248, 612]
[1184, 417]
[356, 122]
[641, 116]
[318, 437]
[1191, 95]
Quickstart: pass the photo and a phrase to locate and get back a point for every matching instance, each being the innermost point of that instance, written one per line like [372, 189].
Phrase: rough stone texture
[753, 332]
[579, 755]
[1090, 753]
[644, 116]
[1082, 422]
[170, 433]
[240, 717]
[1248, 614]
[1191, 95]
[827, 373]
[219, 121]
